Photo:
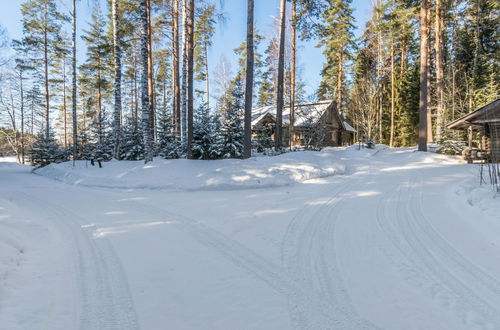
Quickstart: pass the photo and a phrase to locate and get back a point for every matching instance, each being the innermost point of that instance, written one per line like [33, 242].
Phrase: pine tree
[247, 129]
[203, 33]
[145, 101]
[337, 37]
[189, 75]
[41, 28]
[73, 83]
[424, 69]
[176, 91]
[280, 82]
[117, 55]
[96, 71]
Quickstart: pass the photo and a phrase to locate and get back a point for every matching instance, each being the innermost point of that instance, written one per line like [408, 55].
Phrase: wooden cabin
[322, 115]
[485, 121]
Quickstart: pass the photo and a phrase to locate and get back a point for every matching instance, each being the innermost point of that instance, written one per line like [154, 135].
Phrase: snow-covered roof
[305, 113]
[348, 127]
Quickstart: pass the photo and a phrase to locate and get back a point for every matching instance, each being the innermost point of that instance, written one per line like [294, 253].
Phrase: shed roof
[487, 113]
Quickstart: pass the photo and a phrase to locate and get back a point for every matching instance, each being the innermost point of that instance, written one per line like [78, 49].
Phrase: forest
[144, 87]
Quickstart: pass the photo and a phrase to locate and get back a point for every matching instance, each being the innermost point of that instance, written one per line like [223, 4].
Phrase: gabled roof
[348, 127]
[306, 114]
[487, 113]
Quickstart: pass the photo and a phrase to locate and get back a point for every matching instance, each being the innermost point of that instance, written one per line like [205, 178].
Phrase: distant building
[310, 118]
[486, 122]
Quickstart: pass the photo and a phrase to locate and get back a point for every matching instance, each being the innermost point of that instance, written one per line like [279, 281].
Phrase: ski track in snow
[308, 256]
[430, 262]
[308, 308]
[106, 302]
[309, 274]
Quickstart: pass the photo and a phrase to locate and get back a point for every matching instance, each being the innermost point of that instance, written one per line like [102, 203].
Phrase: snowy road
[390, 245]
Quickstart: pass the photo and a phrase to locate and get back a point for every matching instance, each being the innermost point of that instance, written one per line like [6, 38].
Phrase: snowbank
[483, 197]
[183, 174]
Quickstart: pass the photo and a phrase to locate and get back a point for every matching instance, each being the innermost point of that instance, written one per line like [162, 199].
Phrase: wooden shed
[485, 121]
[308, 116]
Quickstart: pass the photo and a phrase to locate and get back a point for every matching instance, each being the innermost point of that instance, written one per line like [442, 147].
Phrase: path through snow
[389, 245]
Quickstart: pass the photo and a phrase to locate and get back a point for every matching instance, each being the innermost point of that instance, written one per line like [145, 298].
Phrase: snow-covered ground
[183, 174]
[396, 239]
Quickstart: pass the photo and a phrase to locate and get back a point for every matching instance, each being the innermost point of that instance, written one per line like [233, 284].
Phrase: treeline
[447, 68]
[145, 86]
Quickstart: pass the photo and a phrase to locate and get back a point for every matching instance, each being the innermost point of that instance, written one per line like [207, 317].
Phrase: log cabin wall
[494, 130]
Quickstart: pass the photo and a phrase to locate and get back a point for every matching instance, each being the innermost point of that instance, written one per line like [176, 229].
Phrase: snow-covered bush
[262, 142]
[84, 147]
[103, 145]
[167, 145]
[45, 151]
[132, 143]
[452, 147]
[232, 134]
[207, 140]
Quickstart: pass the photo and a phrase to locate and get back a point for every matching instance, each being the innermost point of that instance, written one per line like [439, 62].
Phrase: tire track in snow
[106, 301]
[303, 302]
[428, 259]
[309, 257]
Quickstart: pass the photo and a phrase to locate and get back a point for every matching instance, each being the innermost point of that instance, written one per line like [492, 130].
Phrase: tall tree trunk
[136, 96]
[145, 107]
[281, 68]
[73, 86]
[439, 49]
[207, 80]
[99, 103]
[46, 78]
[292, 73]
[152, 115]
[32, 123]
[379, 73]
[424, 68]
[247, 130]
[65, 119]
[190, 73]
[430, 135]
[453, 58]
[393, 96]
[176, 92]
[184, 72]
[118, 81]
[340, 79]
[21, 85]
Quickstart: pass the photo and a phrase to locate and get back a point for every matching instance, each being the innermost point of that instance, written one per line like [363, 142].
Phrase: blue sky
[228, 36]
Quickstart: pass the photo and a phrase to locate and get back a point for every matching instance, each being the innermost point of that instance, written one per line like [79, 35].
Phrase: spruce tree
[132, 146]
[206, 135]
[232, 122]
